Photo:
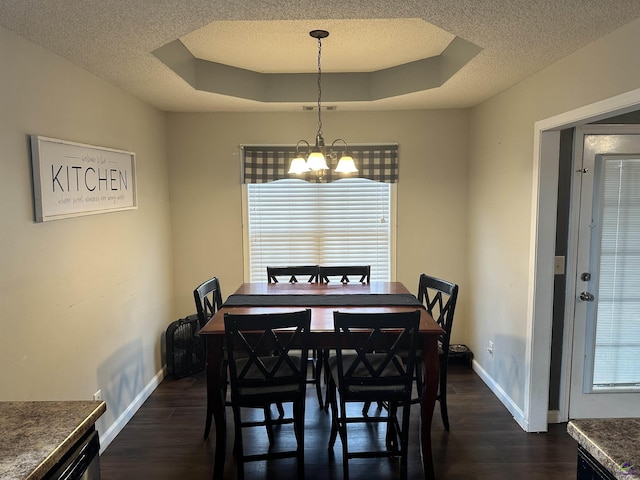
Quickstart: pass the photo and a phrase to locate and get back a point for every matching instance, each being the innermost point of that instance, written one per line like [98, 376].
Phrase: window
[301, 221]
[294, 222]
[617, 351]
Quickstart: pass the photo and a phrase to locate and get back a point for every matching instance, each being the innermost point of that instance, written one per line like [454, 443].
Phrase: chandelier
[315, 159]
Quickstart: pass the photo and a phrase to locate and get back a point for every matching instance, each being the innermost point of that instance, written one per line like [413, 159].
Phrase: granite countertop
[35, 435]
[614, 442]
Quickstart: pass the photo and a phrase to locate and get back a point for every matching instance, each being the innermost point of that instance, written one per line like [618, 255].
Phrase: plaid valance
[262, 164]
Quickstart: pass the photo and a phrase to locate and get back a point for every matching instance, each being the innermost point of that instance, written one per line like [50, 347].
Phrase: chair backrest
[344, 271]
[259, 350]
[377, 344]
[302, 270]
[208, 299]
[439, 298]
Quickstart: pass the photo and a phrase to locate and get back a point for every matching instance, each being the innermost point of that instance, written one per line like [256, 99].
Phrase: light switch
[558, 267]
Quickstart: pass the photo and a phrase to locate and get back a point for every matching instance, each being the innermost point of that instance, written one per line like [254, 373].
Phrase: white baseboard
[516, 412]
[107, 437]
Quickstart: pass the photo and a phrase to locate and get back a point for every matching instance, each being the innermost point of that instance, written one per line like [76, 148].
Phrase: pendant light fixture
[315, 159]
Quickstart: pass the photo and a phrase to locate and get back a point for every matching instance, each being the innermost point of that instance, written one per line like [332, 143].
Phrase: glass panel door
[605, 362]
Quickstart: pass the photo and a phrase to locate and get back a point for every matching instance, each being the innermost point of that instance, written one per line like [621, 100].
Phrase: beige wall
[206, 190]
[83, 301]
[501, 177]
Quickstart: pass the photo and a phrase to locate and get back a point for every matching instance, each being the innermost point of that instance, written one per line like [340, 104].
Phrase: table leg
[215, 402]
[429, 394]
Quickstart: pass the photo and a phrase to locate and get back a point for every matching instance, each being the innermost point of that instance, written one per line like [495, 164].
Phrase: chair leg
[238, 448]
[269, 424]
[318, 376]
[331, 400]
[403, 464]
[404, 441]
[207, 424]
[240, 469]
[392, 432]
[327, 378]
[298, 409]
[419, 377]
[223, 393]
[339, 426]
[345, 450]
[442, 396]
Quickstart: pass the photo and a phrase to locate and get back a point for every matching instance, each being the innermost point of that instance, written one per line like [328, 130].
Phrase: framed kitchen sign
[72, 179]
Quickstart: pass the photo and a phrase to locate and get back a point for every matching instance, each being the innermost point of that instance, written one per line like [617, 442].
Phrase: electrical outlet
[97, 396]
[490, 347]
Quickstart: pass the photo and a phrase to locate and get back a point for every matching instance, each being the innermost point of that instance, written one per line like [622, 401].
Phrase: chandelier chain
[319, 88]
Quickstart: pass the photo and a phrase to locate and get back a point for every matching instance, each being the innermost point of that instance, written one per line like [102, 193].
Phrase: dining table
[322, 299]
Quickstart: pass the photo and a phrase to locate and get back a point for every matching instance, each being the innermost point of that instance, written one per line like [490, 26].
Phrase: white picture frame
[73, 179]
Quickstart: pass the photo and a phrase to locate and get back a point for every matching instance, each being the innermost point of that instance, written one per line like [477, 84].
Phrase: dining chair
[316, 356]
[367, 367]
[439, 298]
[292, 272]
[324, 272]
[259, 381]
[208, 300]
[344, 271]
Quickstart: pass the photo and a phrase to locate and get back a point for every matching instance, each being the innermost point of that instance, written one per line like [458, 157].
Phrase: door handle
[586, 297]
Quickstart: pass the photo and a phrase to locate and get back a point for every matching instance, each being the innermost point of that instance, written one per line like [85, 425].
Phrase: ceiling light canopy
[315, 159]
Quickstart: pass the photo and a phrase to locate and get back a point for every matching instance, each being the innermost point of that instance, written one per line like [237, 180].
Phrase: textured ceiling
[115, 39]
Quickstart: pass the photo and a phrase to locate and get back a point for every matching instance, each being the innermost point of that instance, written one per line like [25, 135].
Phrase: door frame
[572, 254]
[546, 147]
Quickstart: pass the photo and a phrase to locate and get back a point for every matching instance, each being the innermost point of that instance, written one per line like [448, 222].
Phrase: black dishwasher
[82, 462]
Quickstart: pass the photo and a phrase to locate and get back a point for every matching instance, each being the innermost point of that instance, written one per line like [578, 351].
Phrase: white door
[605, 367]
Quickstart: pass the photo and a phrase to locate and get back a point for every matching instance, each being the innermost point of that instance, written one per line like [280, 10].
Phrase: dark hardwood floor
[163, 441]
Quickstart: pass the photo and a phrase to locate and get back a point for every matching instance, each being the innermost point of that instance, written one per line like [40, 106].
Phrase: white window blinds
[617, 351]
[293, 222]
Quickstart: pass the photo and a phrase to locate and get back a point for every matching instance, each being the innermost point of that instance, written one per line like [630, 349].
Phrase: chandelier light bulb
[298, 166]
[346, 164]
[316, 161]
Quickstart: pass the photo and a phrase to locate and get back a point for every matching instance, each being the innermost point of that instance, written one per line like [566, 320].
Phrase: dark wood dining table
[323, 299]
